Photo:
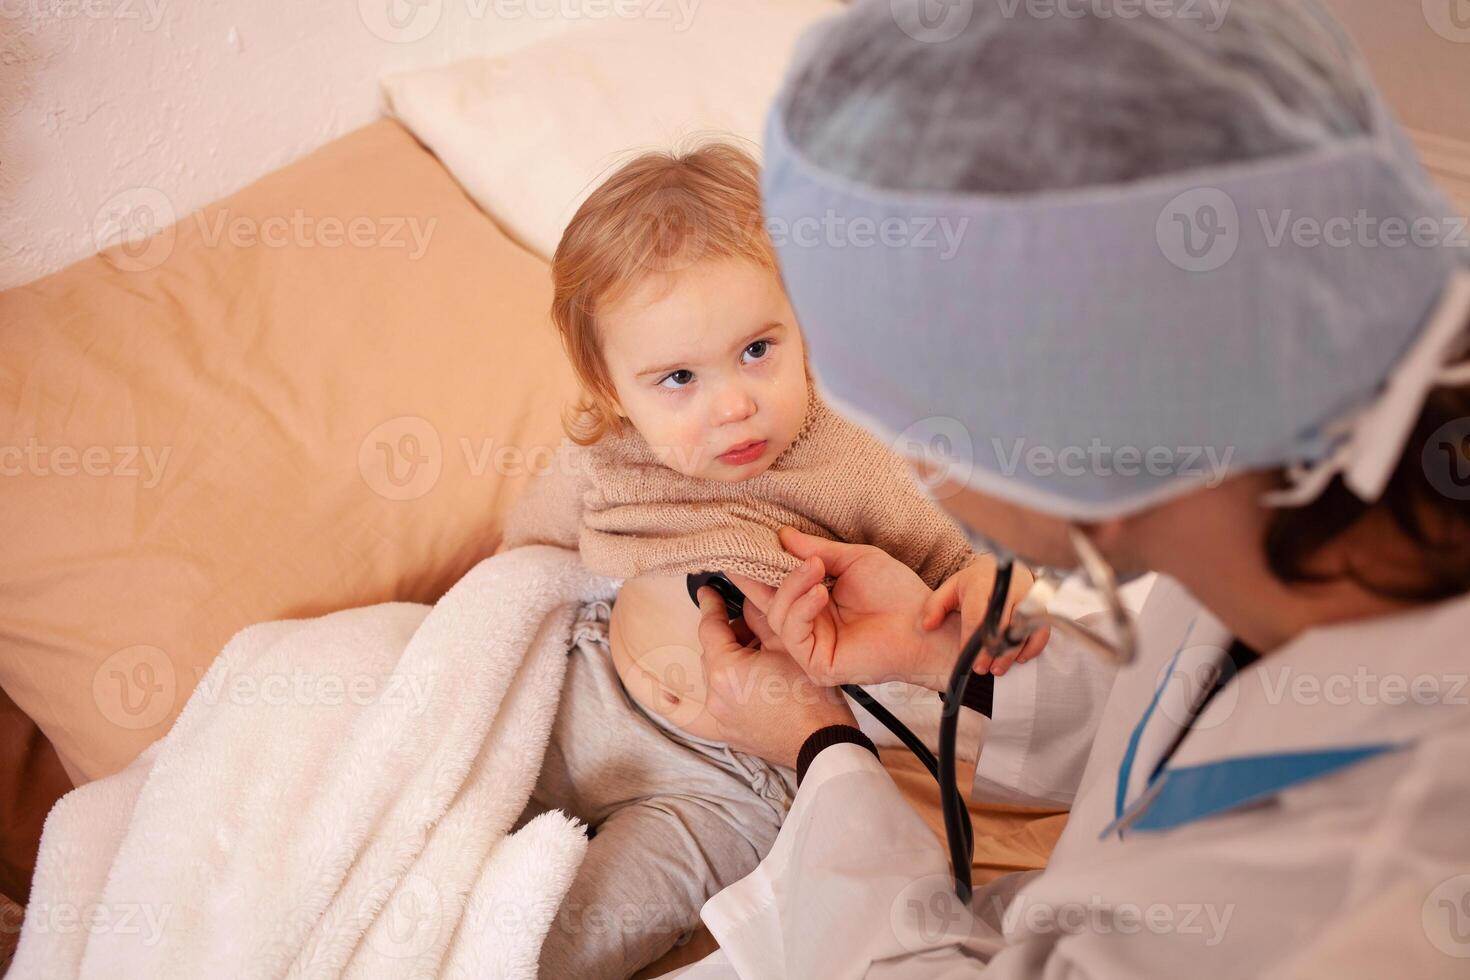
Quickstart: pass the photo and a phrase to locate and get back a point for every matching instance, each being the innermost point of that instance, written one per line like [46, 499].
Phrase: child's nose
[733, 404]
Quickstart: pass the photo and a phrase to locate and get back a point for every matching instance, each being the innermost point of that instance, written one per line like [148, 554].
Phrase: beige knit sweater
[630, 514]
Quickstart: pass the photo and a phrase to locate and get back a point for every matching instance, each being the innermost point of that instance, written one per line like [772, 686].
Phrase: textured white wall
[1419, 51]
[196, 98]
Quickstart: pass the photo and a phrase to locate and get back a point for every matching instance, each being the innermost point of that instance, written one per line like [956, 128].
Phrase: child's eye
[759, 349]
[681, 378]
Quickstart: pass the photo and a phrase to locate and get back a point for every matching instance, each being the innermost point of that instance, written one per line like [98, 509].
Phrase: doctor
[1189, 316]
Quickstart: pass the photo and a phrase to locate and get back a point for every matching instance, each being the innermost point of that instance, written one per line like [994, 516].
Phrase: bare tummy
[654, 637]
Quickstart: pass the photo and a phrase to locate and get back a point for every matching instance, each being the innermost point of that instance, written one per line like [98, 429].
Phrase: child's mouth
[744, 453]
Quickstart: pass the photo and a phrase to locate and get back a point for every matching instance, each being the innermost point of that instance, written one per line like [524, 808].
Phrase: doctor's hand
[867, 629]
[762, 701]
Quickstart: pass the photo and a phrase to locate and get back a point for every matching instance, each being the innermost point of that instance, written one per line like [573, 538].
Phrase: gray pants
[673, 818]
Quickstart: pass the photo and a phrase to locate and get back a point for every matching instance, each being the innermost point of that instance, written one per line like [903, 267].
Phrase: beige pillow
[322, 392]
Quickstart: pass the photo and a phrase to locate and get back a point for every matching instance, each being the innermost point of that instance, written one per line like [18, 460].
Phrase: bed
[321, 392]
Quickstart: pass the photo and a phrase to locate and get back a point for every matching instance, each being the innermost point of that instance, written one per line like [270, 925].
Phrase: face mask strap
[1370, 441]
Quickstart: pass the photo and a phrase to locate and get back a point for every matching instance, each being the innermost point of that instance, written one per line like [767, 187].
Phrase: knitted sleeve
[550, 510]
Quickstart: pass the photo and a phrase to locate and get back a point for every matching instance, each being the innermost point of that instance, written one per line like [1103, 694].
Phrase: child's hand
[969, 591]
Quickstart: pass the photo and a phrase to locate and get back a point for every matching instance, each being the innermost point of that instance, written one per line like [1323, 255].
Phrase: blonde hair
[658, 214]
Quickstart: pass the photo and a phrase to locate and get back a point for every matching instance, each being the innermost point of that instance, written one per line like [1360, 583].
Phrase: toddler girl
[698, 436]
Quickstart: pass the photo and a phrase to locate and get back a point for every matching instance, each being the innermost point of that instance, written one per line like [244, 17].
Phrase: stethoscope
[1030, 615]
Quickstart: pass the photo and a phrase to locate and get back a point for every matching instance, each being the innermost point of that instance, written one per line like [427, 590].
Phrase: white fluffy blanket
[333, 801]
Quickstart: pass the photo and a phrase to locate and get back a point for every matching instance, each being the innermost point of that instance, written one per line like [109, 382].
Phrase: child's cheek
[796, 388]
[695, 444]
[682, 445]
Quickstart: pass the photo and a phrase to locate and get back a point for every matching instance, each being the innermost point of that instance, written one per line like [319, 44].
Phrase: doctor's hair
[1433, 517]
[657, 215]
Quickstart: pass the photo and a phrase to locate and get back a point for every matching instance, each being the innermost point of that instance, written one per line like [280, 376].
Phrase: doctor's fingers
[837, 556]
[806, 632]
[769, 612]
[797, 584]
[716, 636]
[760, 627]
[810, 636]
[758, 593]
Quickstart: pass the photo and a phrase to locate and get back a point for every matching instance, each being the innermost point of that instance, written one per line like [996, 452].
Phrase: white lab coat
[1314, 823]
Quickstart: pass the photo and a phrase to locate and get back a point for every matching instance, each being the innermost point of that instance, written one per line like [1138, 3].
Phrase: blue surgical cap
[1093, 350]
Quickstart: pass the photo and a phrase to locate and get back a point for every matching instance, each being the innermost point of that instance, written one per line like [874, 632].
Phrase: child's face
[706, 363]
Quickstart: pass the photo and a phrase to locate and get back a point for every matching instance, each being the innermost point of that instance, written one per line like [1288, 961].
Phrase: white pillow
[530, 134]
